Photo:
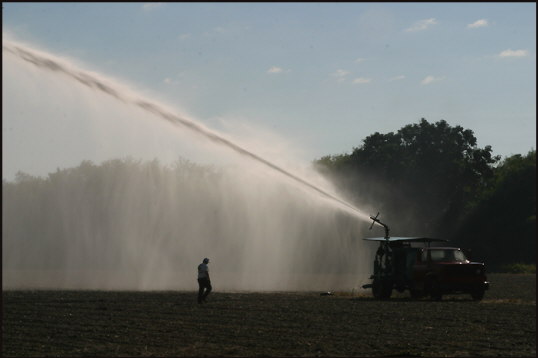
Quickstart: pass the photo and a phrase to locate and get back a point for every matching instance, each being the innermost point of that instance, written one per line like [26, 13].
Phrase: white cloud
[151, 6]
[361, 80]
[341, 73]
[397, 78]
[478, 23]
[422, 25]
[512, 53]
[276, 70]
[360, 59]
[430, 79]
[184, 36]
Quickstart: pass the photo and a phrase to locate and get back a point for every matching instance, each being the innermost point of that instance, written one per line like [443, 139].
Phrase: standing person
[204, 282]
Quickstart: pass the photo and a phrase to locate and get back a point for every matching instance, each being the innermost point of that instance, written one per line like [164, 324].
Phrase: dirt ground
[99, 324]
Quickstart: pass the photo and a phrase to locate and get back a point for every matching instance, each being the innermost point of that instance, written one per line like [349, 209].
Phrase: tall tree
[420, 177]
[501, 225]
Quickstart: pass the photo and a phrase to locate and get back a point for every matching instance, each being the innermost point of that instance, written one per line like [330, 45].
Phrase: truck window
[438, 255]
[459, 256]
[447, 255]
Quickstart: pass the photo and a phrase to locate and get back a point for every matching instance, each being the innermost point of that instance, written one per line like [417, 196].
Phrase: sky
[319, 77]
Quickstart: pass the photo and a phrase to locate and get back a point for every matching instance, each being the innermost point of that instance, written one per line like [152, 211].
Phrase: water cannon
[376, 220]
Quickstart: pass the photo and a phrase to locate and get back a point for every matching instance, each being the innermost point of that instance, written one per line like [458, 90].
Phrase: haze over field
[267, 228]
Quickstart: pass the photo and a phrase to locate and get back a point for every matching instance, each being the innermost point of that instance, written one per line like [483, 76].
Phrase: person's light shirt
[203, 271]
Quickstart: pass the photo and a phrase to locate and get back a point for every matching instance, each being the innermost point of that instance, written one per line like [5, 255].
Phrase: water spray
[47, 62]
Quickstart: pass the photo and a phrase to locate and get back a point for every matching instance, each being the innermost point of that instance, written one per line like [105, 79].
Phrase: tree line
[431, 179]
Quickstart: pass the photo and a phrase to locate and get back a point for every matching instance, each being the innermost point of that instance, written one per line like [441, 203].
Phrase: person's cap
[206, 260]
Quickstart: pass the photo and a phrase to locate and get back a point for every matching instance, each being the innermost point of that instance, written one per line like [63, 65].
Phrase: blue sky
[323, 75]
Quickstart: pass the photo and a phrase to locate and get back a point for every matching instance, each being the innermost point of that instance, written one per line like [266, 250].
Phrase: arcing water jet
[43, 61]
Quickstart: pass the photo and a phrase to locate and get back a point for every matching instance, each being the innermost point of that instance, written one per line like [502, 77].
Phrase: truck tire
[376, 289]
[415, 294]
[435, 291]
[381, 289]
[478, 294]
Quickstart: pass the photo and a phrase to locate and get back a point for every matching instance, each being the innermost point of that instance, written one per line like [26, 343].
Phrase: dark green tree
[501, 225]
[420, 178]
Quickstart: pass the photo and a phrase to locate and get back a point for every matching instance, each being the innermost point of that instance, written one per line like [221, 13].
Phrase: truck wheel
[376, 289]
[381, 289]
[477, 295]
[415, 294]
[436, 293]
[387, 290]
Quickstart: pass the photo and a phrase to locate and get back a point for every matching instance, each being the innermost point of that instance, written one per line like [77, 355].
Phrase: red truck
[424, 271]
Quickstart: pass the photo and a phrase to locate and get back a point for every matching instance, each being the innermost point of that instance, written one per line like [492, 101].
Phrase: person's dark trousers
[204, 284]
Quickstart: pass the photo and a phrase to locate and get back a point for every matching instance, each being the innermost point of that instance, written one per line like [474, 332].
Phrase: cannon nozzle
[376, 220]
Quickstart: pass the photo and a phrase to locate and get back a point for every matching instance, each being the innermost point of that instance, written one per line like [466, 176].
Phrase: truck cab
[446, 270]
[411, 263]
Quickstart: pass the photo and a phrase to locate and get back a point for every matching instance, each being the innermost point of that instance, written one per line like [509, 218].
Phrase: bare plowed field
[97, 323]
